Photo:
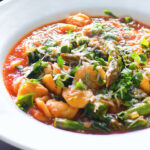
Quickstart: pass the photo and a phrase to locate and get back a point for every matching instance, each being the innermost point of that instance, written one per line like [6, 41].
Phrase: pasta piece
[145, 84]
[51, 85]
[37, 89]
[42, 106]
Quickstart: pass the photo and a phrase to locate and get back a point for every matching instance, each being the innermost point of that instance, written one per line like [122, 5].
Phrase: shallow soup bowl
[17, 18]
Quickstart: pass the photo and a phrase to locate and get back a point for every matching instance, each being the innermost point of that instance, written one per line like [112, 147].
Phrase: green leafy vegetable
[33, 81]
[101, 61]
[69, 31]
[36, 71]
[34, 56]
[79, 85]
[132, 66]
[143, 58]
[137, 78]
[140, 59]
[62, 80]
[73, 71]
[65, 49]
[127, 19]
[97, 111]
[60, 61]
[100, 126]
[145, 43]
[25, 101]
[124, 84]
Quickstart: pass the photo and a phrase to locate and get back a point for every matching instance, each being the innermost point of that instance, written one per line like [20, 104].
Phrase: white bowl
[18, 17]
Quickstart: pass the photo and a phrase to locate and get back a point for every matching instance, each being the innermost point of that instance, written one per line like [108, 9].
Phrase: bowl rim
[10, 12]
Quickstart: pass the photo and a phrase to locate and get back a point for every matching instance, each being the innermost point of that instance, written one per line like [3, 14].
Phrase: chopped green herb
[69, 31]
[34, 56]
[60, 61]
[33, 81]
[132, 66]
[101, 61]
[62, 80]
[124, 84]
[145, 43]
[79, 85]
[73, 71]
[36, 70]
[127, 19]
[142, 58]
[65, 49]
[59, 83]
[109, 13]
[137, 78]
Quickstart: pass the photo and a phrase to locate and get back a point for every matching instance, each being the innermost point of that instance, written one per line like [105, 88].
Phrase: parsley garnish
[109, 13]
[60, 61]
[69, 31]
[79, 85]
[140, 59]
[145, 43]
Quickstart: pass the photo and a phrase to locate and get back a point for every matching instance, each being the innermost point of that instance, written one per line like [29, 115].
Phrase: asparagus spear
[141, 109]
[139, 123]
[115, 65]
[75, 125]
[100, 126]
[113, 72]
[68, 124]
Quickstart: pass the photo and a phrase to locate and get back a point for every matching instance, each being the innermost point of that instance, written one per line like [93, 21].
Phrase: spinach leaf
[125, 83]
[34, 56]
[36, 70]
[97, 111]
